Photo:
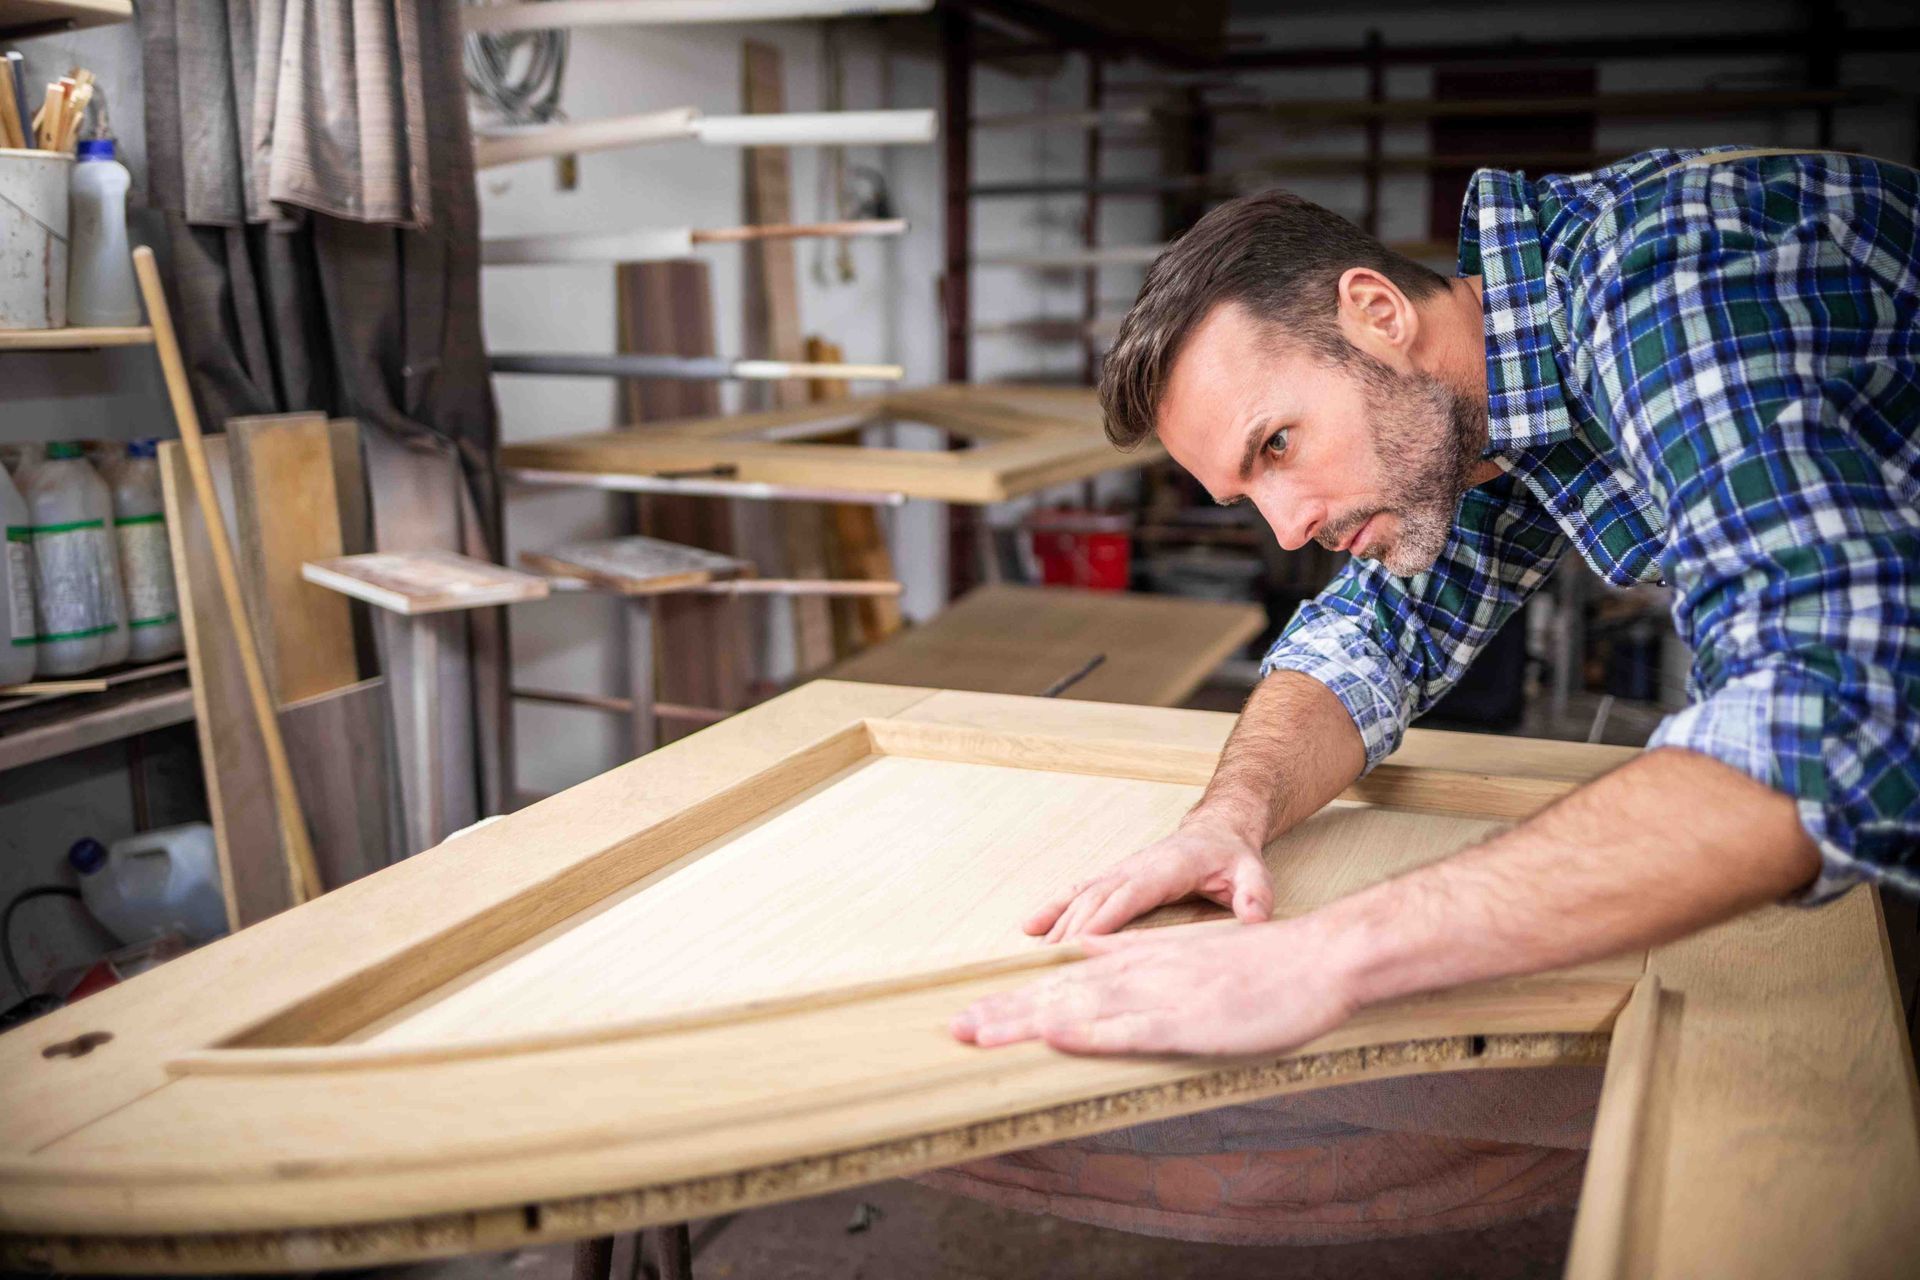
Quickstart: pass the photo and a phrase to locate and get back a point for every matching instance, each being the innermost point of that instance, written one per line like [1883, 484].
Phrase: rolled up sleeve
[1797, 562]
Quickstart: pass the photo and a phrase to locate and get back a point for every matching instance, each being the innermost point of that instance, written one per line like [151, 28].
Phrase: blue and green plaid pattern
[1709, 375]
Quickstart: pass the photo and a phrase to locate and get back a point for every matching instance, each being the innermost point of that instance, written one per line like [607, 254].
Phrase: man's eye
[1277, 442]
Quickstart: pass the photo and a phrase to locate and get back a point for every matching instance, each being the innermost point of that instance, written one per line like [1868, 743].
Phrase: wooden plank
[416, 582]
[356, 524]
[856, 545]
[240, 799]
[771, 328]
[704, 654]
[74, 338]
[340, 747]
[302, 876]
[1779, 1134]
[287, 512]
[637, 565]
[1154, 650]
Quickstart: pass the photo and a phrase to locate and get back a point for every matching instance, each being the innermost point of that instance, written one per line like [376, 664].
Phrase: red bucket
[1083, 548]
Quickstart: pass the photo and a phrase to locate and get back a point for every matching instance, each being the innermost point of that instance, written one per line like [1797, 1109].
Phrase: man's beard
[1426, 440]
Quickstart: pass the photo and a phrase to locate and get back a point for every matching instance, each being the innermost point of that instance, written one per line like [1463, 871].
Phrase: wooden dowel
[786, 129]
[820, 128]
[507, 146]
[652, 366]
[47, 688]
[494, 18]
[622, 706]
[799, 230]
[661, 244]
[800, 587]
[303, 873]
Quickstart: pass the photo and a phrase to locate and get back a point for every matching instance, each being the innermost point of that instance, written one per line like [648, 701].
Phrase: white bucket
[33, 238]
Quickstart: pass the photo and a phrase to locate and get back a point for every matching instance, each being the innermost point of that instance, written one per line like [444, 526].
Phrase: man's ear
[1375, 316]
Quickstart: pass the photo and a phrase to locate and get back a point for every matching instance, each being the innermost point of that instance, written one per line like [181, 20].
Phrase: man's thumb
[1252, 892]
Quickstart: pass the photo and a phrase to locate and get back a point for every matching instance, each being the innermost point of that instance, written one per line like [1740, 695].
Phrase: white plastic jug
[76, 569]
[17, 625]
[165, 881]
[100, 288]
[146, 560]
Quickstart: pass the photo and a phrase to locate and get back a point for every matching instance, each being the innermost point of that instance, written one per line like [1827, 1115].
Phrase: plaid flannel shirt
[1708, 375]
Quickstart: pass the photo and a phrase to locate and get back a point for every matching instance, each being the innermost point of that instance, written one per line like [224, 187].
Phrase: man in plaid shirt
[1694, 368]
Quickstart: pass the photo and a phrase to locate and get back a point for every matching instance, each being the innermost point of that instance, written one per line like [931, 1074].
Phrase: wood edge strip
[1479, 795]
[1599, 1250]
[548, 1220]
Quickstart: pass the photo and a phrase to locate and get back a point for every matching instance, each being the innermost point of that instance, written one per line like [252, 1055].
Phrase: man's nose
[1293, 521]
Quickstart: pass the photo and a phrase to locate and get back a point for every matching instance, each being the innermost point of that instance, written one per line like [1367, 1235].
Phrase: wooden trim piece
[515, 16]
[1618, 1152]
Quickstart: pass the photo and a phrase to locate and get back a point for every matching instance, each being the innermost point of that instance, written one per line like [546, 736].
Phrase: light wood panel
[1776, 1134]
[341, 750]
[1152, 650]
[636, 565]
[1023, 439]
[416, 582]
[254, 873]
[287, 511]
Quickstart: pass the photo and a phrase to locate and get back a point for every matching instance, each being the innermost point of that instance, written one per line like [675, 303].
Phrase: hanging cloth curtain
[315, 167]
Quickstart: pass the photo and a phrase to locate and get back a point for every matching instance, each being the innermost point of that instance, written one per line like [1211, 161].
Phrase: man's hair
[1273, 253]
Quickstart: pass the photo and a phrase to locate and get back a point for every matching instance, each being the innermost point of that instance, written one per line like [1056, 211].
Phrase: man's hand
[1183, 990]
[1201, 857]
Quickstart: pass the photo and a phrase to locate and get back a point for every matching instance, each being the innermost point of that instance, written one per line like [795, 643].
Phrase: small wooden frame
[631, 1004]
[1020, 439]
[418, 585]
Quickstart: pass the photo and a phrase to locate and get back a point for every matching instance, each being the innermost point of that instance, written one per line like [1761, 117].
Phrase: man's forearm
[1666, 845]
[1294, 749]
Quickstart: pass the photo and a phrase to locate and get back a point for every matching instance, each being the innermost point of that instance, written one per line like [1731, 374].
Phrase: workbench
[720, 976]
[1096, 646]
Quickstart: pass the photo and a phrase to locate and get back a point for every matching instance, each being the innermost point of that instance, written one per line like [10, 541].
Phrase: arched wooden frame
[328, 1088]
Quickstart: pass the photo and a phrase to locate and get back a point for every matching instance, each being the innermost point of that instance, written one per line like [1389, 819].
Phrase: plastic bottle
[77, 596]
[17, 624]
[146, 561]
[100, 288]
[157, 882]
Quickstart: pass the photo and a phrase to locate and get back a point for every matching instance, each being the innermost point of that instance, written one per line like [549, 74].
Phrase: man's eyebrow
[1257, 435]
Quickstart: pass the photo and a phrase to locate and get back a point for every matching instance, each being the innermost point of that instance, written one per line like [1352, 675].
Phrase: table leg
[424, 816]
[593, 1259]
[676, 1252]
[644, 731]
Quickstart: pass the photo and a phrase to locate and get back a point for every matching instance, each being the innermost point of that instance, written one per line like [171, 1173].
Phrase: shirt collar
[1500, 241]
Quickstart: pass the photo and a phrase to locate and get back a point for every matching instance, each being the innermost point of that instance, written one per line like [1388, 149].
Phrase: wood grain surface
[1153, 650]
[287, 512]
[636, 565]
[254, 873]
[414, 582]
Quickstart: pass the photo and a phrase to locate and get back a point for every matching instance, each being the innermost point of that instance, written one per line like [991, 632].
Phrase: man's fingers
[1083, 906]
[1042, 920]
[1127, 902]
[1132, 1032]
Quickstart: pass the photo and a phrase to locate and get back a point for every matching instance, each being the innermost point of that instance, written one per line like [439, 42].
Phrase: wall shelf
[138, 335]
[22, 18]
[54, 727]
